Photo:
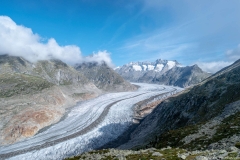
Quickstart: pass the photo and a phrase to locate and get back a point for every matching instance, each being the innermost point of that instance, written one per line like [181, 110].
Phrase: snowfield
[88, 125]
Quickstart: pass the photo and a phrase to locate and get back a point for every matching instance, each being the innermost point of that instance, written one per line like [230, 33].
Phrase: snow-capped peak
[171, 64]
[158, 66]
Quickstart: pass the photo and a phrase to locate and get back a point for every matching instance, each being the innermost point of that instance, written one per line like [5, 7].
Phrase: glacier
[87, 126]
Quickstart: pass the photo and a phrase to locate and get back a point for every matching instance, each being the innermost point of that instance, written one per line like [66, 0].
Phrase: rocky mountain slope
[202, 122]
[36, 95]
[206, 116]
[104, 77]
[162, 72]
[167, 153]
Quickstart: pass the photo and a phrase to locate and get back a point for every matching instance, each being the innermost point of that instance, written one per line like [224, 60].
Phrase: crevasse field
[88, 125]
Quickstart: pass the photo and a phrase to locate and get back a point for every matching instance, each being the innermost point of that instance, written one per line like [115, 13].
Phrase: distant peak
[195, 65]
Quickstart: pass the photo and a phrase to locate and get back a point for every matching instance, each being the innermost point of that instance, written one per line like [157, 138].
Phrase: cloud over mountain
[18, 40]
[213, 66]
[99, 57]
[234, 54]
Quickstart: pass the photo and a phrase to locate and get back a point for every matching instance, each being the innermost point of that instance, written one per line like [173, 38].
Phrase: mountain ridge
[162, 72]
[103, 76]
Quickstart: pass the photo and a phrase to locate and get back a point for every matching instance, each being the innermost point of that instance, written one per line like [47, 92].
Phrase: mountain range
[162, 72]
[36, 95]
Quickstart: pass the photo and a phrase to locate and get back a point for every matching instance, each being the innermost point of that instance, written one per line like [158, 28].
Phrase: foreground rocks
[160, 154]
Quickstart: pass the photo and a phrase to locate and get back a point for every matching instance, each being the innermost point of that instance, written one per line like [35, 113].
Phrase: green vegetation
[229, 127]
[169, 154]
[65, 82]
[13, 84]
[232, 155]
[237, 145]
[173, 137]
[148, 156]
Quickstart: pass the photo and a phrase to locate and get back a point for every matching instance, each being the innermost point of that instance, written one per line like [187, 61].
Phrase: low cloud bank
[18, 40]
[213, 67]
[233, 54]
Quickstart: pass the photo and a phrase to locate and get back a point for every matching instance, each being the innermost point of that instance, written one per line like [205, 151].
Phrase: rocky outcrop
[162, 72]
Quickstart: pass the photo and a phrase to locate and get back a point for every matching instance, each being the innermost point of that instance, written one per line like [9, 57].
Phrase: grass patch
[14, 84]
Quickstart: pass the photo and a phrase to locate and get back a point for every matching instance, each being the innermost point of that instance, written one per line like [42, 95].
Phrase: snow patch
[144, 67]
[137, 68]
[150, 67]
[171, 64]
[159, 67]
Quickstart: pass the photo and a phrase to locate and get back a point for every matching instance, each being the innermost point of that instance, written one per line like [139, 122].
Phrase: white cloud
[100, 57]
[21, 41]
[213, 67]
[233, 54]
[17, 40]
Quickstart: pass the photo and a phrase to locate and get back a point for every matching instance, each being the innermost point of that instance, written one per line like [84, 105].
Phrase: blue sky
[206, 32]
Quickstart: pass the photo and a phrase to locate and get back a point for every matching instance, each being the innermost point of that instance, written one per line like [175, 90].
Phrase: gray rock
[183, 156]
[233, 149]
[201, 158]
[157, 154]
[121, 157]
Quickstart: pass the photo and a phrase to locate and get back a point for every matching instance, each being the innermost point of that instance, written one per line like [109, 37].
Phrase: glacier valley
[87, 126]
